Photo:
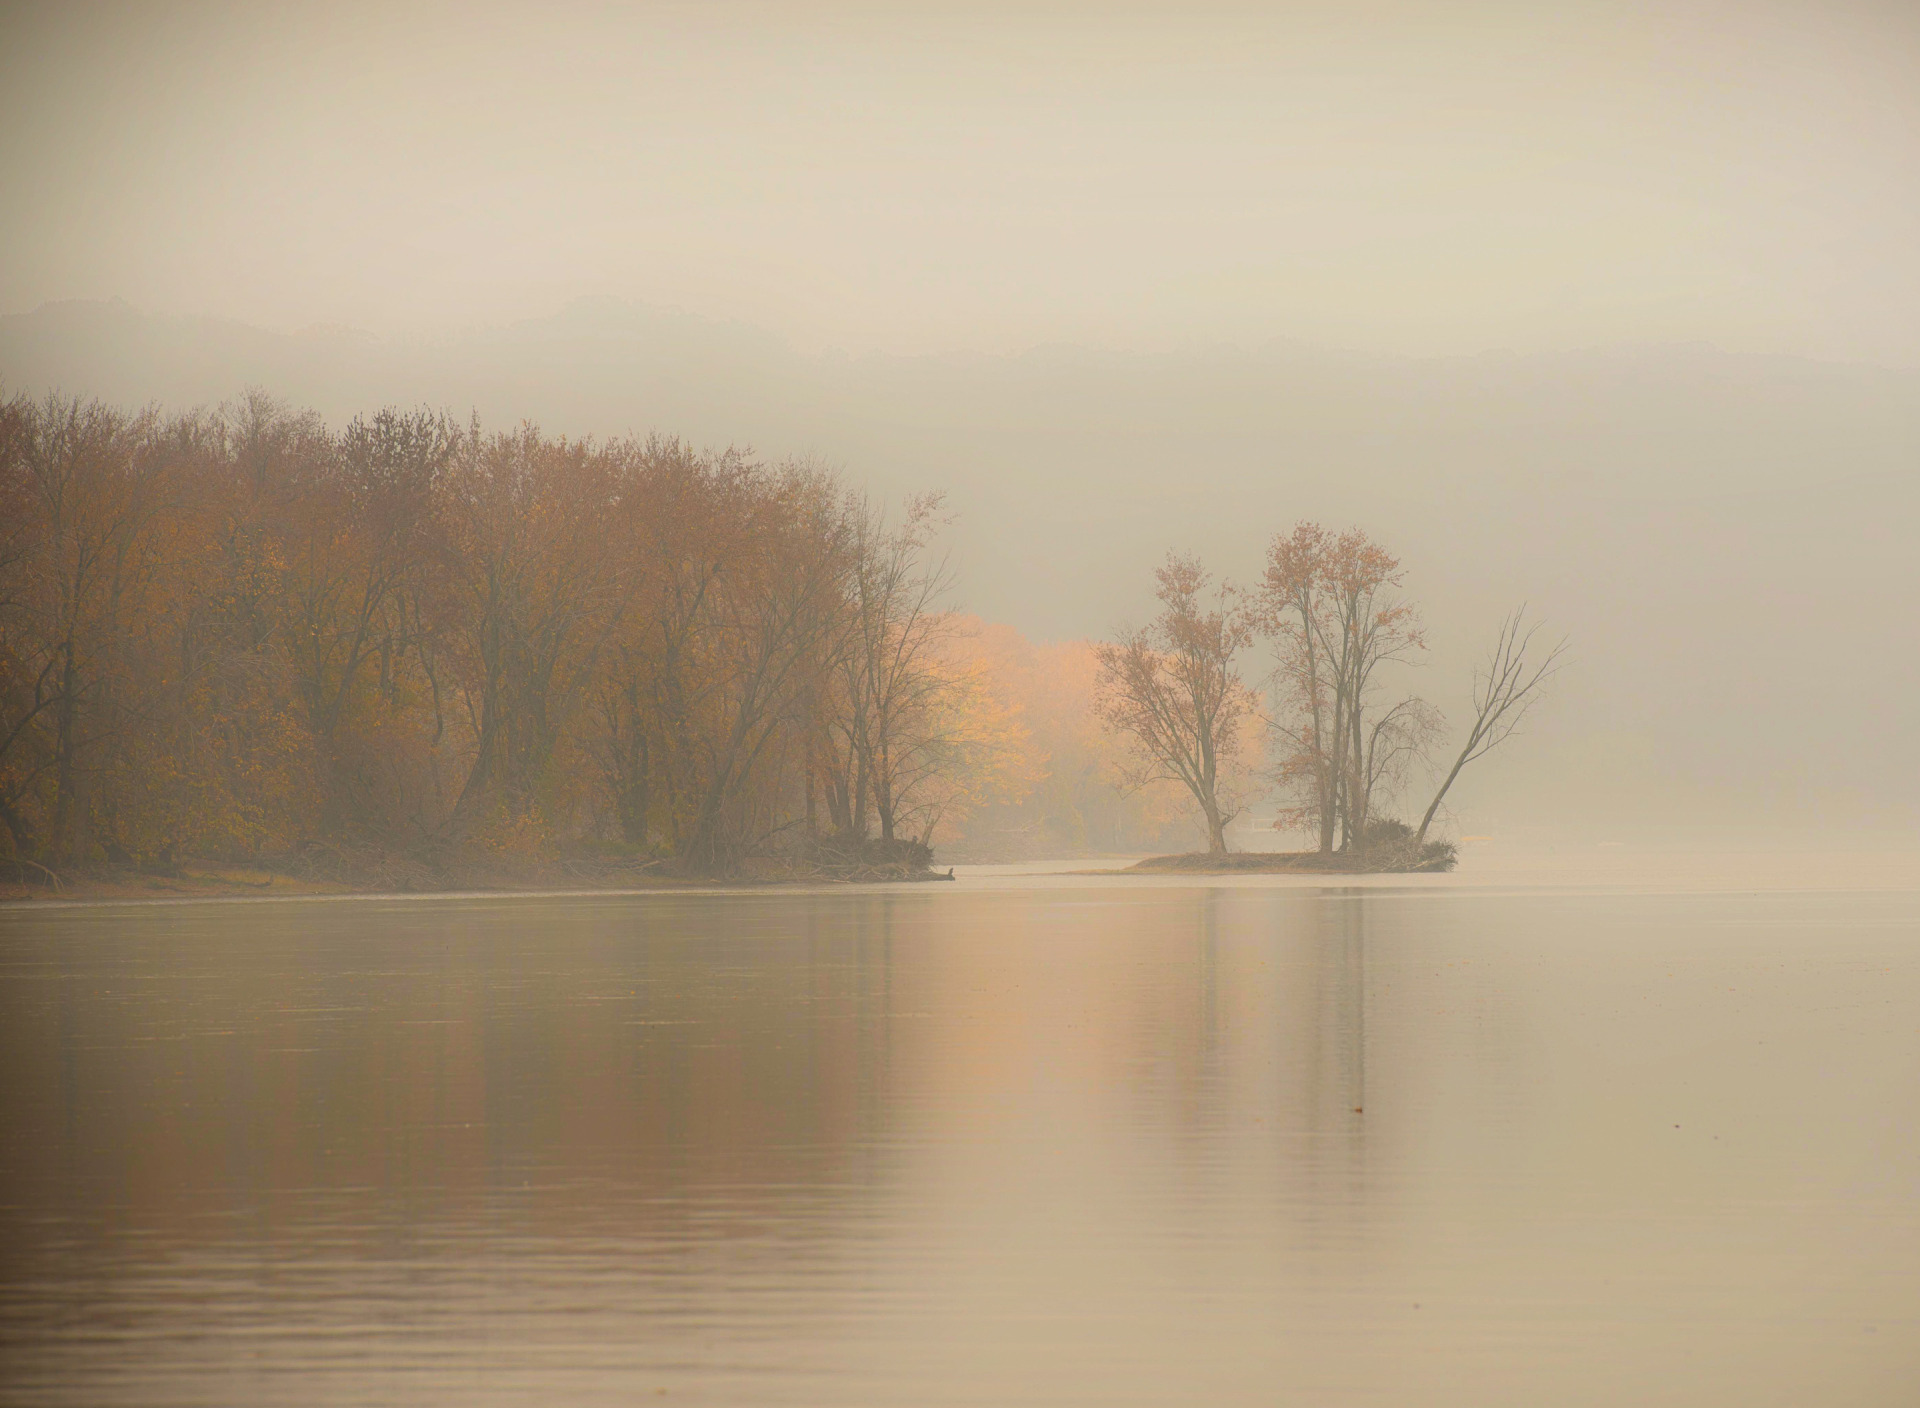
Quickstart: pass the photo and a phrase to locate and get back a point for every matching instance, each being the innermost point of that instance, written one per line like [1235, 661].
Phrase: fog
[1614, 309]
[1395, 175]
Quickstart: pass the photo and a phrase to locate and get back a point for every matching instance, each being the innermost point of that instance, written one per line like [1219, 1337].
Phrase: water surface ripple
[1076, 1144]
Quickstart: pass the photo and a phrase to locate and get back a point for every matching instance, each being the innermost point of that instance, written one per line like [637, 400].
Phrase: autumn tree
[97, 493]
[210, 753]
[897, 725]
[767, 619]
[1331, 607]
[26, 655]
[1036, 772]
[244, 634]
[359, 540]
[537, 584]
[964, 745]
[1309, 721]
[1173, 690]
[678, 524]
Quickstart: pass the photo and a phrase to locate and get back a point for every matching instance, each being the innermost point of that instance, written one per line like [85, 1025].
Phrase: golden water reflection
[1050, 1146]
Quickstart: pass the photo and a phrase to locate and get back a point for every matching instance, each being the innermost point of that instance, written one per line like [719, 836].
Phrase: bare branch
[1505, 690]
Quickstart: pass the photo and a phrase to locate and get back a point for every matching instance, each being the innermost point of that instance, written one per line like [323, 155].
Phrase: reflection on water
[1064, 1145]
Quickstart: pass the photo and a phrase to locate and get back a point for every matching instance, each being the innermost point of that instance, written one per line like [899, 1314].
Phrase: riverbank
[211, 882]
[215, 881]
[218, 880]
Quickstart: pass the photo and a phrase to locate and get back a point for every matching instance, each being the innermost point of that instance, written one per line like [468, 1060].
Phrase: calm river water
[1075, 1142]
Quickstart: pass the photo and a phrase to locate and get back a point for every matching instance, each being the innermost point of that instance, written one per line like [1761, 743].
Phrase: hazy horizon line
[435, 335]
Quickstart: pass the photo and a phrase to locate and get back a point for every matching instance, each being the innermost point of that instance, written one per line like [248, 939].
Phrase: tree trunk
[813, 813]
[17, 829]
[857, 823]
[1329, 808]
[1216, 830]
[634, 796]
[64, 845]
[1420, 836]
[883, 795]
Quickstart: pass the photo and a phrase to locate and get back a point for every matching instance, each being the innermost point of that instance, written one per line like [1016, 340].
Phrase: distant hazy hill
[1728, 538]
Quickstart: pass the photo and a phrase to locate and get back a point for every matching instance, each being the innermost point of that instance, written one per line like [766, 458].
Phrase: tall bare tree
[1332, 608]
[894, 595]
[1309, 722]
[1505, 689]
[1173, 690]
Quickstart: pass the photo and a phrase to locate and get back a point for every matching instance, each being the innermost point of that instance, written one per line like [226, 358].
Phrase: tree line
[241, 633]
[1325, 728]
[412, 648]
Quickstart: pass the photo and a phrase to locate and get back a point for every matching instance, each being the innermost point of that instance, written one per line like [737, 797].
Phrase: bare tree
[895, 592]
[1173, 690]
[1505, 690]
[1398, 738]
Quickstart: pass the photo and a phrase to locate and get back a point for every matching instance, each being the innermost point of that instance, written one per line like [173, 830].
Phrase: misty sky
[1403, 176]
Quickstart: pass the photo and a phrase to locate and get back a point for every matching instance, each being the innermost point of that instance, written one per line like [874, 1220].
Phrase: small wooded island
[1325, 734]
[1391, 850]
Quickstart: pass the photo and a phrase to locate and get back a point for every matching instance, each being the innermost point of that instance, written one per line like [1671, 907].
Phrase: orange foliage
[1077, 798]
[244, 635]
